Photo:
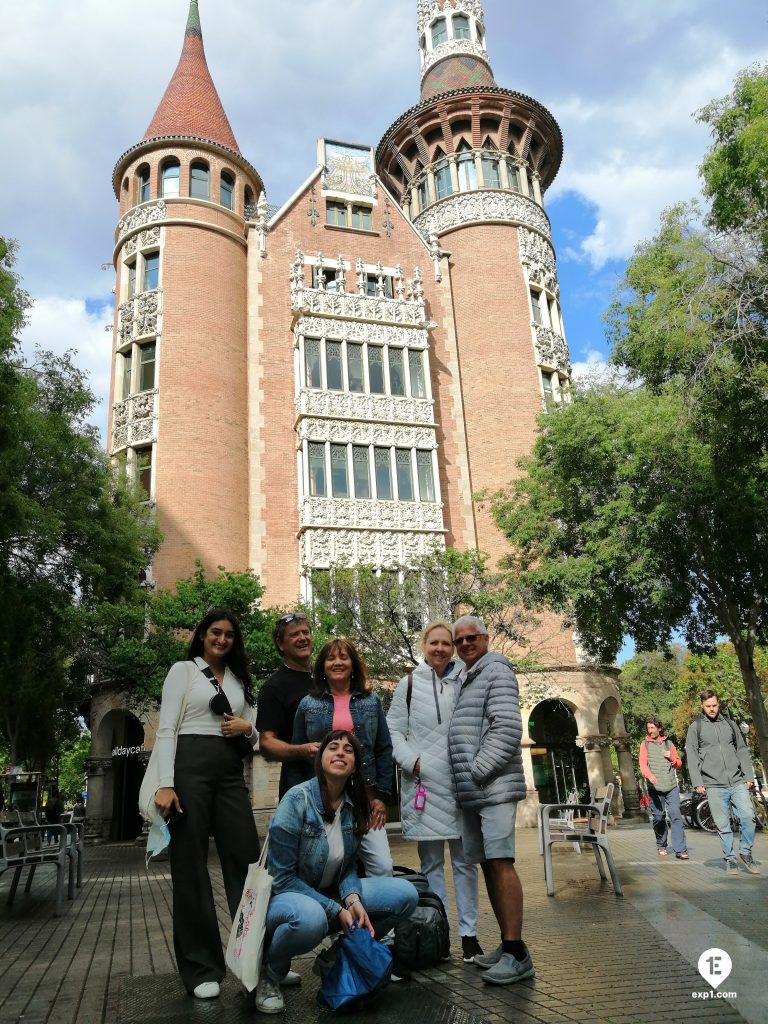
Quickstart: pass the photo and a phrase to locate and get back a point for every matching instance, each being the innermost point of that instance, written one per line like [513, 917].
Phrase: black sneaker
[749, 863]
[470, 948]
[399, 971]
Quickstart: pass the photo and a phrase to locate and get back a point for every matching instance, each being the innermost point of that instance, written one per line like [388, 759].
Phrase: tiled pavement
[598, 958]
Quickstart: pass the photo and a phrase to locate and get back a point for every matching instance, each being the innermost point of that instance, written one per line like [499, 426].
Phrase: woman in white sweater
[418, 723]
[207, 725]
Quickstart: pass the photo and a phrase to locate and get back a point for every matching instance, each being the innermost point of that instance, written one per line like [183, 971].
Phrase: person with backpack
[720, 766]
[658, 762]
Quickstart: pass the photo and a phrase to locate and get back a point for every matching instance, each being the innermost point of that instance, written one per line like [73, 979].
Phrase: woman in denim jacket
[341, 697]
[313, 844]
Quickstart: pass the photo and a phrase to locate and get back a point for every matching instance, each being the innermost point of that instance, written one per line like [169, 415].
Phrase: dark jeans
[213, 796]
[661, 804]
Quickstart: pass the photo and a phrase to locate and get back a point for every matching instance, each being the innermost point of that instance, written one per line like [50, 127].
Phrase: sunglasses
[292, 617]
[472, 638]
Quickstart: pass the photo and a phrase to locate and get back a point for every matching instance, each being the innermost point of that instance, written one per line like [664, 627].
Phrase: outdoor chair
[590, 825]
[562, 823]
[23, 847]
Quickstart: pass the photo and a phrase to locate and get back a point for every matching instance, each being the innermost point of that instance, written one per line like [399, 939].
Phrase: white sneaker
[269, 998]
[291, 979]
[207, 990]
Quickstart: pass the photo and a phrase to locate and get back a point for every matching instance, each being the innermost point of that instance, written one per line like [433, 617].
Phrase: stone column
[528, 808]
[98, 817]
[623, 746]
[593, 747]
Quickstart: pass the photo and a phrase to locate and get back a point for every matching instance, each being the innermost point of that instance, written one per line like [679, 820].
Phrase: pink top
[342, 719]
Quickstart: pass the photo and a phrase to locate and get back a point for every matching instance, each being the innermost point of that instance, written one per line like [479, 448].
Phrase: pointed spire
[191, 106]
[452, 44]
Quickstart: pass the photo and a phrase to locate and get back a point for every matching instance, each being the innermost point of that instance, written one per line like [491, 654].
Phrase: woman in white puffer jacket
[418, 723]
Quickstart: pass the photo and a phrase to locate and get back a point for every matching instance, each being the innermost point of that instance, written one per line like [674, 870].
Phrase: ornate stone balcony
[321, 548]
[453, 48]
[479, 206]
[134, 420]
[141, 216]
[356, 330]
[551, 350]
[349, 514]
[384, 435]
[347, 405]
[352, 306]
[140, 317]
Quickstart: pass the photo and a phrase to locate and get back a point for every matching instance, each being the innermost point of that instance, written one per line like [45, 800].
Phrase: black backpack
[423, 939]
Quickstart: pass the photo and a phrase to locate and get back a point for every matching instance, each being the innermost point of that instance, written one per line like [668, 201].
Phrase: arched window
[443, 183]
[490, 160]
[461, 26]
[439, 32]
[199, 180]
[467, 170]
[248, 200]
[170, 178]
[227, 190]
[142, 179]
[513, 173]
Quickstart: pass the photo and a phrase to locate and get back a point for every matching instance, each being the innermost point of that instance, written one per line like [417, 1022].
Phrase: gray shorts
[488, 833]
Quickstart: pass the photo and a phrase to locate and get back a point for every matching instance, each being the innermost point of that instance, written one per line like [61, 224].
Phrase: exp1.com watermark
[714, 966]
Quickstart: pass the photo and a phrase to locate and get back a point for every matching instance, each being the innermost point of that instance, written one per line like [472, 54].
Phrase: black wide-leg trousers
[214, 799]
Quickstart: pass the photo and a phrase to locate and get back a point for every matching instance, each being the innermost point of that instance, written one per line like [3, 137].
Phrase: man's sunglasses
[292, 617]
[471, 639]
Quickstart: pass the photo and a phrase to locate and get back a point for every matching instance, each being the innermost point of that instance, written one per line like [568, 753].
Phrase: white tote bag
[151, 781]
[246, 940]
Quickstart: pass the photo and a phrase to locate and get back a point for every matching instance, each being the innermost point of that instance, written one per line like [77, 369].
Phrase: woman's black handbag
[422, 940]
[219, 705]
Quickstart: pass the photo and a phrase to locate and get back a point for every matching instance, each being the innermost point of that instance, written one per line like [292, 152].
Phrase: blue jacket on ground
[298, 848]
[314, 720]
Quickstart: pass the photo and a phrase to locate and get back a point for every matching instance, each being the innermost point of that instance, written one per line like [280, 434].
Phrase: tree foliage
[71, 534]
[650, 684]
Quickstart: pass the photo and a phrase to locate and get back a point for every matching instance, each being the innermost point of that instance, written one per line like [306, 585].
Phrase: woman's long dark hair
[359, 683]
[236, 660]
[355, 785]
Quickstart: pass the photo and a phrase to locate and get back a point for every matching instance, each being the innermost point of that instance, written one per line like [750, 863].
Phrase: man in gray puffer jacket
[484, 749]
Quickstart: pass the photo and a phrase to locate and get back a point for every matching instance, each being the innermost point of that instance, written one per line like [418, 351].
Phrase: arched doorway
[120, 737]
[559, 765]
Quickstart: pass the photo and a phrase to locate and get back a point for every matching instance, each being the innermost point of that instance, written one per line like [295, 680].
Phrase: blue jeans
[297, 923]
[721, 800]
[661, 805]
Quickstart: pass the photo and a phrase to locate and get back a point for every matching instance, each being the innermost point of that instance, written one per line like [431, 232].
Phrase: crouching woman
[313, 843]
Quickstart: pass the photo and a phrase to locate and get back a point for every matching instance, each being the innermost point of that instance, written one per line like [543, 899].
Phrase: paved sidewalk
[597, 957]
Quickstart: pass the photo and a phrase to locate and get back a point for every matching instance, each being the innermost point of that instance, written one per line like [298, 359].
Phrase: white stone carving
[478, 206]
[149, 239]
[352, 406]
[428, 10]
[356, 330]
[361, 307]
[134, 420]
[551, 350]
[450, 48]
[383, 434]
[130, 246]
[538, 255]
[140, 317]
[319, 548]
[348, 514]
[148, 213]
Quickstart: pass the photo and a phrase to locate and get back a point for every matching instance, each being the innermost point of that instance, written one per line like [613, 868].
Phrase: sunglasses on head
[292, 617]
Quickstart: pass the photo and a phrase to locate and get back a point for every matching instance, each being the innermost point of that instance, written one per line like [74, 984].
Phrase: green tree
[650, 685]
[71, 534]
[73, 760]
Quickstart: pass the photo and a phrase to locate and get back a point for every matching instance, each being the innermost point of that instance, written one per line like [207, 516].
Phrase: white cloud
[59, 325]
[594, 366]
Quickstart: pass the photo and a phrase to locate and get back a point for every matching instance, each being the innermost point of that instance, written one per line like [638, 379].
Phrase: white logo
[715, 966]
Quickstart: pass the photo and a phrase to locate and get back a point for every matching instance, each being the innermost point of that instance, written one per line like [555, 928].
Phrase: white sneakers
[269, 998]
[207, 990]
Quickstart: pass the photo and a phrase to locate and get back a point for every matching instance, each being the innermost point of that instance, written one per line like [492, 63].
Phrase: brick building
[354, 365]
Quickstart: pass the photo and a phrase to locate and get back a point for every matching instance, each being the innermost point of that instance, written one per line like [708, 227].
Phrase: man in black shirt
[280, 695]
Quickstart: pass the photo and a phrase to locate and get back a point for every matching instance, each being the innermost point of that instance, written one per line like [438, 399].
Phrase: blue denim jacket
[314, 718]
[298, 848]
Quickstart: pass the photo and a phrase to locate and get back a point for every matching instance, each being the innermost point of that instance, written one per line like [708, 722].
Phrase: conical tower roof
[191, 106]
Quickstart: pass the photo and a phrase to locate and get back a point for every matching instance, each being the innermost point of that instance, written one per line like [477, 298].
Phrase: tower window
[461, 26]
[336, 214]
[396, 372]
[376, 369]
[144, 471]
[317, 486]
[143, 179]
[422, 193]
[151, 271]
[536, 307]
[199, 180]
[383, 468]
[426, 476]
[513, 173]
[170, 178]
[355, 367]
[439, 32]
[548, 387]
[491, 178]
[362, 218]
[227, 190]
[404, 474]
[443, 183]
[131, 278]
[127, 374]
[147, 366]
[312, 360]
[333, 372]
[467, 170]
[362, 471]
[339, 475]
[416, 368]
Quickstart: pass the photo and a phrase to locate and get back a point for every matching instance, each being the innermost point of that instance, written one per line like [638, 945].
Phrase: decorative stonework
[322, 548]
[388, 223]
[354, 330]
[312, 212]
[148, 239]
[428, 10]
[319, 302]
[478, 206]
[453, 48]
[349, 514]
[552, 350]
[351, 406]
[148, 213]
[385, 435]
[140, 317]
[134, 421]
[538, 256]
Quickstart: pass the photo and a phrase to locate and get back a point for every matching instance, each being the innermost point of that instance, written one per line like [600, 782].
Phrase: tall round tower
[179, 383]
[469, 164]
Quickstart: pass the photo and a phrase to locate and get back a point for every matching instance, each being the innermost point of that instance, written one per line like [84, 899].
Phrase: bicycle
[705, 821]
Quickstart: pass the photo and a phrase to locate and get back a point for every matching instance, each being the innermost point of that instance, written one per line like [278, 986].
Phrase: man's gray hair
[470, 620]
